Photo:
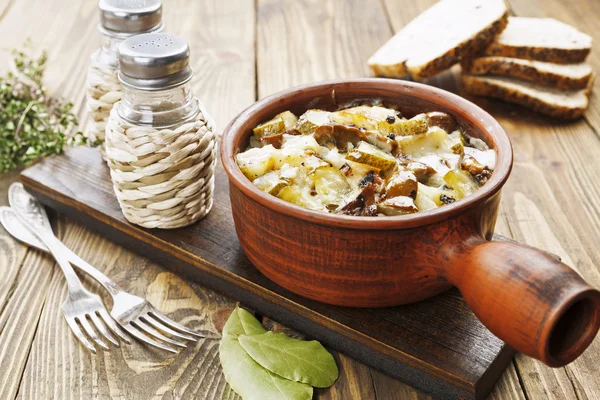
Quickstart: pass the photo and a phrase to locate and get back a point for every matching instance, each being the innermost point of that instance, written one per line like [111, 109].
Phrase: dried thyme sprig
[32, 124]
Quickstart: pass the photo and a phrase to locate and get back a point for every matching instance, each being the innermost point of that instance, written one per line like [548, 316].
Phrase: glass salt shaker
[119, 19]
[160, 142]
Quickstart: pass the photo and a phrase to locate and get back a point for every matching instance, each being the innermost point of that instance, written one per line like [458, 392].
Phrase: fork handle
[53, 245]
[107, 283]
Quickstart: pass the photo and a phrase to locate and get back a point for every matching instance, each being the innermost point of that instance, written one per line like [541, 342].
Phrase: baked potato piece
[424, 199]
[365, 117]
[401, 183]
[311, 120]
[399, 205]
[455, 143]
[461, 181]
[331, 186]
[271, 127]
[289, 119]
[256, 162]
[423, 144]
[271, 182]
[368, 154]
[301, 196]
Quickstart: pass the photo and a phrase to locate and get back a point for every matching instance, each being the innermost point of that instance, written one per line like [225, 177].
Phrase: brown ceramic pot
[530, 300]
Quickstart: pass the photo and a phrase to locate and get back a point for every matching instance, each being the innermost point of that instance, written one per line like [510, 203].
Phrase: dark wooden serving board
[437, 345]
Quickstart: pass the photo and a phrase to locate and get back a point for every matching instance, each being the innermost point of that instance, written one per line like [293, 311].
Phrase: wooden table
[243, 50]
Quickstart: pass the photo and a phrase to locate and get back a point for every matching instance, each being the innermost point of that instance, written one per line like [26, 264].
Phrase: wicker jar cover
[163, 178]
[103, 90]
[160, 142]
[118, 21]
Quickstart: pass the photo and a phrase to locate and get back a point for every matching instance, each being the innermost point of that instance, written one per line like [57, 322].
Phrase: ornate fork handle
[33, 216]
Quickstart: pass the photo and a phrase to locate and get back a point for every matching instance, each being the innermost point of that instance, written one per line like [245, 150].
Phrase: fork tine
[110, 322]
[148, 318]
[92, 333]
[103, 330]
[79, 334]
[168, 321]
[150, 330]
[133, 331]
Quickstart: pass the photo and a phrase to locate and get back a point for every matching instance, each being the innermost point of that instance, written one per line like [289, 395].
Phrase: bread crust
[468, 48]
[479, 86]
[558, 56]
[506, 67]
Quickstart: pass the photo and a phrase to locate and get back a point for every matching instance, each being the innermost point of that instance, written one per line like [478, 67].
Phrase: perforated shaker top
[130, 16]
[154, 61]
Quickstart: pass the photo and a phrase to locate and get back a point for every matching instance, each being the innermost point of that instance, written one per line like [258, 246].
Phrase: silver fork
[133, 313]
[81, 306]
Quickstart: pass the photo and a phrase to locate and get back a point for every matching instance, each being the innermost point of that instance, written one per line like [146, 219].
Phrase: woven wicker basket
[163, 178]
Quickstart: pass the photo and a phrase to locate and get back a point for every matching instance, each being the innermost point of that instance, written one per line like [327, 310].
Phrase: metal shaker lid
[130, 16]
[154, 61]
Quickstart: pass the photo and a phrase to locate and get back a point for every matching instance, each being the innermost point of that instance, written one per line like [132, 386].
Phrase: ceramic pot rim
[467, 111]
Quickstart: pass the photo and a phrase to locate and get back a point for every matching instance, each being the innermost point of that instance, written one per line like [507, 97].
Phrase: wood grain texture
[558, 153]
[553, 157]
[19, 319]
[60, 368]
[309, 40]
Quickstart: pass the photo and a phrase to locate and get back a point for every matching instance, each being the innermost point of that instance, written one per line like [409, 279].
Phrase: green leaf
[294, 359]
[241, 322]
[251, 381]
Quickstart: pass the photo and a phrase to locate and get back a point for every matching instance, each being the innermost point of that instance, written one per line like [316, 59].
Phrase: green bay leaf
[298, 360]
[251, 381]
[241, 322]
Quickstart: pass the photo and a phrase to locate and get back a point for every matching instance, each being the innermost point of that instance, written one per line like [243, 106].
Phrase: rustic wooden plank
[28, 278]
[19, 320]
[224, 80]
[399, 14]
[552, 160]
[12, 253]
[539, 380]
[59, 367]
[305, 41]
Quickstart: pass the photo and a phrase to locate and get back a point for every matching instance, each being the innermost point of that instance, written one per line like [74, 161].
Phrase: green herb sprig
[32, 124]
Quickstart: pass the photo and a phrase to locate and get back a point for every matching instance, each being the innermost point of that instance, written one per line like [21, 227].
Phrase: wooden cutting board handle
[535, 303]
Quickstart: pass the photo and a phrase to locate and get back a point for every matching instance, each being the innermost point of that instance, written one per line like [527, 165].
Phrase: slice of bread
[548, 101]
[560, 76]
[440, 37]
[541, 39]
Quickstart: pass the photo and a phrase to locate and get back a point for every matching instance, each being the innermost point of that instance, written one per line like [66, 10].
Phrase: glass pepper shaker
[160, 142]
[119, 19]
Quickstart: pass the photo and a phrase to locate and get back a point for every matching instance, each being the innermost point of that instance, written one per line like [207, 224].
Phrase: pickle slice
[368, 154]
[271, 182]
[289, 119]
[271, 127]
[405, 127]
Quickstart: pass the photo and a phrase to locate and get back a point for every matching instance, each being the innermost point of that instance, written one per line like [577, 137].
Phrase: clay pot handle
[530, 300]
